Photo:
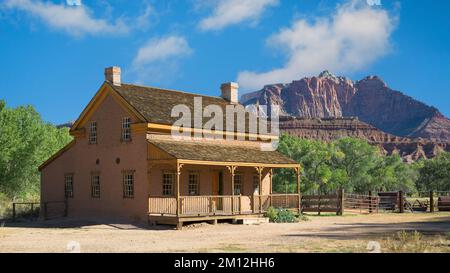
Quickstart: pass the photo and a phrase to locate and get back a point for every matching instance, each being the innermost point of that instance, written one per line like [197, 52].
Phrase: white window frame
[95, 185]
[168, 182]
[238, 177]
[194, 183]
[128, 184]
[126, 129]
[93, 132]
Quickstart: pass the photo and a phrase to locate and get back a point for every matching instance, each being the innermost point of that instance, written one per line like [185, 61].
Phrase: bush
[276, 215]
[407, 242]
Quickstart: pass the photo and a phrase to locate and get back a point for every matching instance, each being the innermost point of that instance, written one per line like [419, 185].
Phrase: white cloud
[158, 58]
[75, 20]
[162, 49]
[354, 37]
[230, 12]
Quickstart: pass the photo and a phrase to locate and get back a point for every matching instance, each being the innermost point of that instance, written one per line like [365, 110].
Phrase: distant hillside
[329, 129]
[370, 99]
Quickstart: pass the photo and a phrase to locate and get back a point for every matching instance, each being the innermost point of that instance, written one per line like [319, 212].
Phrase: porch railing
[207, 205]
[220, 205]
[162, 205]
[286, 201]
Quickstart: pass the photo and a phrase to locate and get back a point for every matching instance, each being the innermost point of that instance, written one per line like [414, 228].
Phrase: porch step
[254, 221]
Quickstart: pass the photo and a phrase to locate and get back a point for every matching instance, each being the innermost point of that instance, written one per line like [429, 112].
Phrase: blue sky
[52, 54]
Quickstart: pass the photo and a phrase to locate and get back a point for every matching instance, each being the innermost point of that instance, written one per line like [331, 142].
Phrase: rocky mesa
[370, 99]
[327, 107]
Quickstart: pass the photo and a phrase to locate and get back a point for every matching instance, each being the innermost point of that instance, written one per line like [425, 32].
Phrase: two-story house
[124, 163]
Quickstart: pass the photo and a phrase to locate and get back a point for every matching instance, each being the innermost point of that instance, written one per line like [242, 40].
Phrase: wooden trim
[55, 156]
[78, 133]
[168, 128]
[95, 102]
[138, 128]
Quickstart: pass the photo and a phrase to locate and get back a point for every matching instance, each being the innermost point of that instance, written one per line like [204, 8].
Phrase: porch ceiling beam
[240, 164]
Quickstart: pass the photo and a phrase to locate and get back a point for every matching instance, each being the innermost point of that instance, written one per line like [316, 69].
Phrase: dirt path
[320, 234]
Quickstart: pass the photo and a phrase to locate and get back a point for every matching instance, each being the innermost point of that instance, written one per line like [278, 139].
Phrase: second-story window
[126, 129]
[93, 132]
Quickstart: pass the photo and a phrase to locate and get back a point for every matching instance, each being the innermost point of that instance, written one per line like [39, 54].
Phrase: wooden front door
[217, 189]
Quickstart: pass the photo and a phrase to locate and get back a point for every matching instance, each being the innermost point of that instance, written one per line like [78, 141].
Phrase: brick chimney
[230, 92]
[112, 75]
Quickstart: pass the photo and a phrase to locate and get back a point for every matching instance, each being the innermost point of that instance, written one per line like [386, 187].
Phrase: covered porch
[201, 181]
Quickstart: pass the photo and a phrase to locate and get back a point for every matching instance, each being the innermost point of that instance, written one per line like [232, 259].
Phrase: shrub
[276, 215]
[406, 242]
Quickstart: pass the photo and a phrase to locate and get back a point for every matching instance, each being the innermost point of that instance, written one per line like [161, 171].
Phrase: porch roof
[197, 152]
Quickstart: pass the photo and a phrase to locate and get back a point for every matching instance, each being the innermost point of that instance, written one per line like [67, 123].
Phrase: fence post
[341, 202]
[318, 205]
[431, 201]
[14, 212]
[370, 201]
[400, 202]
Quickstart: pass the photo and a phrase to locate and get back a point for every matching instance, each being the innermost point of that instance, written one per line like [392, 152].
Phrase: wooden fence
[375, 203]
[48, 210]
[323, 203]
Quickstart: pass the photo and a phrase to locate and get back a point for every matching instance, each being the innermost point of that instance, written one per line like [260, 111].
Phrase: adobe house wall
[81, 160]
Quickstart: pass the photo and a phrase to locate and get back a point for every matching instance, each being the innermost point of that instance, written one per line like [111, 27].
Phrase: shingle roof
[156, 104]
[204, 151]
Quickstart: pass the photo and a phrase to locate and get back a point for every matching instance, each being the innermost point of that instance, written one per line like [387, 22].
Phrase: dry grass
[407, 242]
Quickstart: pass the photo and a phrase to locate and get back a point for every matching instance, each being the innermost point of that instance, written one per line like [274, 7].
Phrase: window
[168, 181]
[68, 185]
[126, 129]
[193, 187]
[95, 186]
[237, 184]
[256, 184]
[128, 184]
[93, 132]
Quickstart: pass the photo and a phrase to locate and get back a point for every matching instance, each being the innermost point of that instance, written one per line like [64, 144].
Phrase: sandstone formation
[329, 129]
[328, 107]
[370, 99]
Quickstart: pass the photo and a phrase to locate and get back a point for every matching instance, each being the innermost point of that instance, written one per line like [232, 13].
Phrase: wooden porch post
[297, 171]
[260, 170]
[232, 170]
[179, 166]
[270, 190]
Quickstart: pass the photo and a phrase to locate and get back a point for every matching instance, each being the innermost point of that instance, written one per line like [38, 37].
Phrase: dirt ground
[349, 233]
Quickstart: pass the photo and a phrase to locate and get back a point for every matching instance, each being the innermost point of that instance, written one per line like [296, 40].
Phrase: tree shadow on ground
[367, 230]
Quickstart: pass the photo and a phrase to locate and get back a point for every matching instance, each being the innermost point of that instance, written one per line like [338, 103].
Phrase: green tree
[314, 157]
[25, 142]
[392, 174]
[434, 174]
[356, 162]
[349, 163]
